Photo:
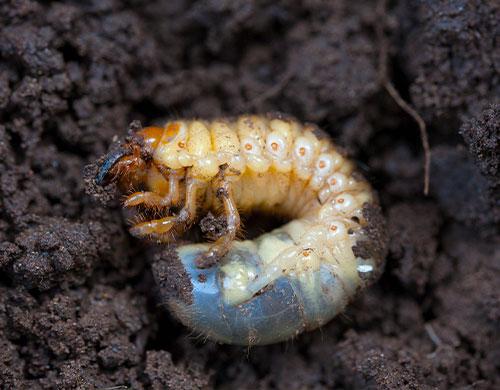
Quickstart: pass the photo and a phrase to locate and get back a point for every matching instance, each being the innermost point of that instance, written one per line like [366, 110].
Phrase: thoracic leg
[151, 199]
[160, 228]
[220, 247]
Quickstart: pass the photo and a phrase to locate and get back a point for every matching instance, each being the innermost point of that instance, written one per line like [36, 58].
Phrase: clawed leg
[220, 247]
[148, 199]
[160, 228]
[154, 228]
[151, 199]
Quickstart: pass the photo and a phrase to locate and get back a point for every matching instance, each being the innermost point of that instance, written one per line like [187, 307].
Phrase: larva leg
[188, 213]
[161, 227]
[151, 199]
[156, 227]
[220, 247]
[148, 199]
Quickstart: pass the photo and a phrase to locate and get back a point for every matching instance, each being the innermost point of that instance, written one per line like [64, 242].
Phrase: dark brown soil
[77, 304]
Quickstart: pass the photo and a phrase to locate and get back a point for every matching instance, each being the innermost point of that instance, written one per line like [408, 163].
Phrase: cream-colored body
[271, 162]
[277, 166]
[249, 143]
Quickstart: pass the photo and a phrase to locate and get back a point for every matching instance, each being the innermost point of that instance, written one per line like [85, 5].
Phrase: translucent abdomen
[248, 300]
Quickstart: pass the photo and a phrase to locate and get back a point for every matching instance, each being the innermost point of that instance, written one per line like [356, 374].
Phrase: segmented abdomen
[296, 277]
[275, 160]
[255, 143]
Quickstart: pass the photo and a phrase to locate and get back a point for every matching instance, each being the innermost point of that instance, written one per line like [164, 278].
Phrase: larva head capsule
[130, 162]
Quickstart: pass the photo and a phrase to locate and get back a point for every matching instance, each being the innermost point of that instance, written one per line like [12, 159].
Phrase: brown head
[128, 164]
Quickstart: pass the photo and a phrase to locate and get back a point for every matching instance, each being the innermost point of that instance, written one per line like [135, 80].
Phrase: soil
[78, 306]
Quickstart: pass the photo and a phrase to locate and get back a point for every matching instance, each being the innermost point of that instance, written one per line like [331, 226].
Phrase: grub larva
[291, 279]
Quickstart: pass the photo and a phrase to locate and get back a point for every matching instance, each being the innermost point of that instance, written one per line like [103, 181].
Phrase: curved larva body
[294, 278]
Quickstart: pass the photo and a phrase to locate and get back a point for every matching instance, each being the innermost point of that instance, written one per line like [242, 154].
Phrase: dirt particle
[413, 229]
[375, 245]
[171, 277]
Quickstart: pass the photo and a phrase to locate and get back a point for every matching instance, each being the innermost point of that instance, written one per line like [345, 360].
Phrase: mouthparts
[102, 177]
